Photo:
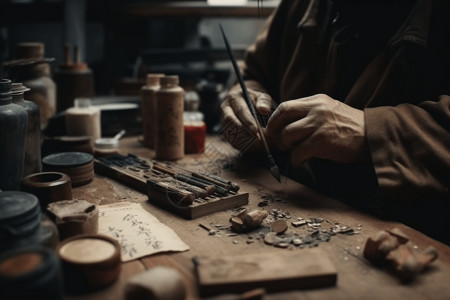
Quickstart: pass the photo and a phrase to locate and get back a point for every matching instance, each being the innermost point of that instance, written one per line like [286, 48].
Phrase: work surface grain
[357, 277]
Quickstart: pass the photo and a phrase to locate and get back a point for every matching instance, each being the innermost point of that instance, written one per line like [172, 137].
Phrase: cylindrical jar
[148, 108]
[170, 108]
[13, 131]
[32, 162]
[22, 224]
[83, 119]
[36, 75]
[74, 80]
[31, 273]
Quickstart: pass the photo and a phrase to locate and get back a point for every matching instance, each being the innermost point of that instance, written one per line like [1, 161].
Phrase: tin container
[31, 274]
[22, 224]
[78, 165]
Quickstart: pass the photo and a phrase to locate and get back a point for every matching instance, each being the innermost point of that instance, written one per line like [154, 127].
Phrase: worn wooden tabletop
[357, 277]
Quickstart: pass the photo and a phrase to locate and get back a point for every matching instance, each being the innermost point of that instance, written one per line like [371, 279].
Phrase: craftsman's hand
[321, 127]
[237, 118]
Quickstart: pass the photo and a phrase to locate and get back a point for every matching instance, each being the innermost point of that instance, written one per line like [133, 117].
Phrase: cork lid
[169, 81]
[153, 79]
[30, 50]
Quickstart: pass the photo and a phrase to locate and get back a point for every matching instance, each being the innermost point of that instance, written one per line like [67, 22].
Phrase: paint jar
[194, 132]
[32, 274]
[148, 108]
[90, 261]
[83, 119]
[22, 224]
[34, 72]
[32, 162]
[170, 108]
[13, 131]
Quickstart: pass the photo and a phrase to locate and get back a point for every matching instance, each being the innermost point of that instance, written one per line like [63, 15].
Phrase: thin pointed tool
[273, 167]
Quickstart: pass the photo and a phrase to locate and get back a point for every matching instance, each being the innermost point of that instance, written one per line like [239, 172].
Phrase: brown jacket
[390, 58]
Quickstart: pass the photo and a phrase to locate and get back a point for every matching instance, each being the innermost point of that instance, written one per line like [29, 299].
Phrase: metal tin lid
[20, 213]
[67, 159]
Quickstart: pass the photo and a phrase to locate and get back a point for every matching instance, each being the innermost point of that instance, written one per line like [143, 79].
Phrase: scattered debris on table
[391, 247]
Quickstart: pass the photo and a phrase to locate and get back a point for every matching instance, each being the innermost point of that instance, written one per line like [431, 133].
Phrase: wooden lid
[30, 50]
[92, 258]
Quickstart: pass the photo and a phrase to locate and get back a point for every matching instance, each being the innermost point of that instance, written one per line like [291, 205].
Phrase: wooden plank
[239, 273]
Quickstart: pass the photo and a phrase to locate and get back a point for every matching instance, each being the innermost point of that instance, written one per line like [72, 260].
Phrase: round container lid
[20, 213]
[30, 268]
[67, 159]
[15, 204]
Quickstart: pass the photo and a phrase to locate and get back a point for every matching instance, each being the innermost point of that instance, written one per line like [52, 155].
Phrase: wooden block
[274, 271]
[135, 173]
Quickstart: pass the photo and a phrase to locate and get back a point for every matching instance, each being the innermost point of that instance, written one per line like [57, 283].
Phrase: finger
[304, 151]
[242, 112]
[228, 116]
[263, 103]
[286, 113]
[297, 132]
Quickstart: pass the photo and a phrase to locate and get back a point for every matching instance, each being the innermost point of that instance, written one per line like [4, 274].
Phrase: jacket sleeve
[410, 149]
[261, 68]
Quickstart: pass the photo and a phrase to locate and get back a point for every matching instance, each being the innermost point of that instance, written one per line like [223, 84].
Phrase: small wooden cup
[48, 187]
[90, 262]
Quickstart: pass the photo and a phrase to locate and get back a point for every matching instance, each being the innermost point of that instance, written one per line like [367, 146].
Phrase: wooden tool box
[142, 174]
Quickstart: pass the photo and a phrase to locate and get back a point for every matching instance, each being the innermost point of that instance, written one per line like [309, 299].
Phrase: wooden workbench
[357, 278]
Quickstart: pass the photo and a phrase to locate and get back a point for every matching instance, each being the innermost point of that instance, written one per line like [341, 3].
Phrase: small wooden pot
[48, 187]
[90, 261]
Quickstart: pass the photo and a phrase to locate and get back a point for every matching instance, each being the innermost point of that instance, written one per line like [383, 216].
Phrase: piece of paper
[137, 231]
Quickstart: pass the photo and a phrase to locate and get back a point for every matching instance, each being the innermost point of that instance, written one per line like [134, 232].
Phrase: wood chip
[279, 226]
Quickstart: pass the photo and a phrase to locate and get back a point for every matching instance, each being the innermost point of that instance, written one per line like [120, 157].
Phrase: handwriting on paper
[138, 232]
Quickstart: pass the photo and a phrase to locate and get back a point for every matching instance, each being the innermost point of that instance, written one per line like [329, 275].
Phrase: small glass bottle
[83, 119]
[194, 132]
[148, 108]
[13, 131]
[170, 108]
[33, 141]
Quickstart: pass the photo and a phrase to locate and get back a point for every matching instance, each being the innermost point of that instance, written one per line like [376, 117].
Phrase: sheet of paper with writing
[137, 231]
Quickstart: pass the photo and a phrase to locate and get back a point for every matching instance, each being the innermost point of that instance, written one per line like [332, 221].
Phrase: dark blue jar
[13, 132]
